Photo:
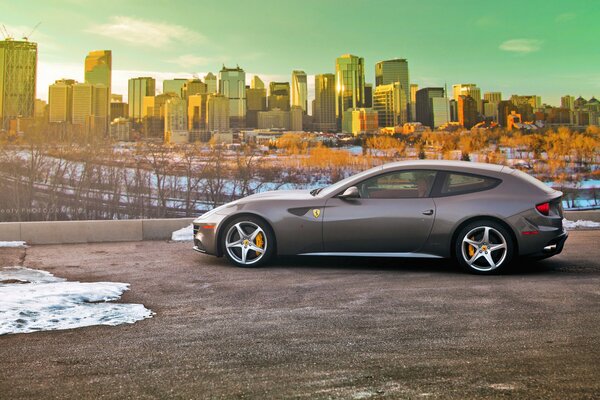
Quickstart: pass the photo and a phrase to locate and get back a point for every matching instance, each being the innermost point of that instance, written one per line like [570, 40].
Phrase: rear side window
[457, 183]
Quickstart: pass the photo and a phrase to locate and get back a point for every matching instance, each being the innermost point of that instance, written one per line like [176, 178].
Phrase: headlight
[218, 210]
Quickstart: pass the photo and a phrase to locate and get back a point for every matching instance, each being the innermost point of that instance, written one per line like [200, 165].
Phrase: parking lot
[316, 328]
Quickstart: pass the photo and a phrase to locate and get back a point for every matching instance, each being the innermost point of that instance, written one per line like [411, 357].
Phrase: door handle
[428, 212]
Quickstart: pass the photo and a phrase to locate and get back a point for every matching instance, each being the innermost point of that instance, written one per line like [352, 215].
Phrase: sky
[548, 48]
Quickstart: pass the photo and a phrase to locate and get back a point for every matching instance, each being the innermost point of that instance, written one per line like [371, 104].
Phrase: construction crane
[5, 33]
[26, 37]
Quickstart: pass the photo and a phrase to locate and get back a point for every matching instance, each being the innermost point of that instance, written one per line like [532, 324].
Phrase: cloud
[191, 60]
[522, 46]
[143, 32]
[564, 17]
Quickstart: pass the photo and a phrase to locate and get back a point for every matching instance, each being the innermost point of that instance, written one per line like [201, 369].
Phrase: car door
[394, 214]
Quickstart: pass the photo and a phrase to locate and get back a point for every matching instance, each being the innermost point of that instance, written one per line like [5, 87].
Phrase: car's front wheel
[247, 242]
[484, 247]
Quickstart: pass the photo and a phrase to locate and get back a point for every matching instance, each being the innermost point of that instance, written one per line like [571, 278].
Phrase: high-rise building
[424, 105]
[257, 83]
[279, 96]
[197, 113]
[441, 111]
[98, 71]
[390, 71]
[40, 108]
[368, 95]
[412, 103]
[176, 121]
[18, 74]
[256, 101]
[467, 89]
[118, 109]
[153, 114]
[300, 90]
[567, 102]
[60, 101]
[467, 111]
[138, 89]
[174, 86]
[89, 109]
[324, 103]
[350, 85]
[211, 83]
[192, 87]
[217, 113]
[493, 97]
[232, 84]
[390, 103]
[534, 101]
[296, 114]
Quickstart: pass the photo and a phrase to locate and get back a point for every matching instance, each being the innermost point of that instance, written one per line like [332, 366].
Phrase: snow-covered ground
[12, 244]
[184, 234]
[33, 300]
[580, 224]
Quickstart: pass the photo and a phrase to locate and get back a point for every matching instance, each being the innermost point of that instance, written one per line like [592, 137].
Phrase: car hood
[278, 195]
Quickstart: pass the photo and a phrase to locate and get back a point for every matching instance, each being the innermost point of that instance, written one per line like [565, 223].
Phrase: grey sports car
[483, 215]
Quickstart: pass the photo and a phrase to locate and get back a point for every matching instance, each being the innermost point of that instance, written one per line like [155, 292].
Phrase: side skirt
[366, 254]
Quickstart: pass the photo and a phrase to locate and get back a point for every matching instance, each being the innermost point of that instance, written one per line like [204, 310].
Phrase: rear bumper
[552, 247]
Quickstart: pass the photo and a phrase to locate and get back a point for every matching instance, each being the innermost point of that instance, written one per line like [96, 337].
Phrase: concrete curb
[64, 232]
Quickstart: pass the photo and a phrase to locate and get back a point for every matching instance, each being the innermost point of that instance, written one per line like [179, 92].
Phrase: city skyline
[546, 55]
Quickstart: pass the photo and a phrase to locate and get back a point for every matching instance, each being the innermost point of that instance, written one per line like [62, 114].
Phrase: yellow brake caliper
[259, 241]
[471, 248]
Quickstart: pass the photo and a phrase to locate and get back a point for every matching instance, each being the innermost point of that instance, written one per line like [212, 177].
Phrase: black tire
[243, 254]
[484, 257]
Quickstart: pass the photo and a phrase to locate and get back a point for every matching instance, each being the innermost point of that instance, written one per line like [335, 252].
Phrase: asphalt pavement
[316, 328]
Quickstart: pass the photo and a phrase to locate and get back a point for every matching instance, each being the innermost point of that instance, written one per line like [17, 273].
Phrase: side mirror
[350, 193]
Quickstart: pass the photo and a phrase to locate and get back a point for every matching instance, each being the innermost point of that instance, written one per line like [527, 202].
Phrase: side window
[457, 183]
[398, 185]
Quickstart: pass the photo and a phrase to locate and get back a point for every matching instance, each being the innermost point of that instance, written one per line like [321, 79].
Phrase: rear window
[537, 183]
[457, 183]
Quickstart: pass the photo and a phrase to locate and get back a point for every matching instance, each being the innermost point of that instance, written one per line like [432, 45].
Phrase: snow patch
[33, 300]
[183, 235]
[580, 224]
[13, 244]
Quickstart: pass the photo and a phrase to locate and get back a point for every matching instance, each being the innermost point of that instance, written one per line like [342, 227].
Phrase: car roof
[466, 166]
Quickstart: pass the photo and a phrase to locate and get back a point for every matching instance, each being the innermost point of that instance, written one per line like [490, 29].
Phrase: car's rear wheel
[248, 242]
[484, 247]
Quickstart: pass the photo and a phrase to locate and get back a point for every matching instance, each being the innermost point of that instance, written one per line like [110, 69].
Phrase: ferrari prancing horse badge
[316, 212]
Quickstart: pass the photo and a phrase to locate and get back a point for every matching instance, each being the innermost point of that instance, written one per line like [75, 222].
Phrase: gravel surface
[316, 328]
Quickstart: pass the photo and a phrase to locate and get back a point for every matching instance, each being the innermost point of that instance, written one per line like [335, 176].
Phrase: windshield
[340, 184]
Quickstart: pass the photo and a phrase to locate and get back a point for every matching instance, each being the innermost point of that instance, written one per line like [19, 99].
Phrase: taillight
[543, 208]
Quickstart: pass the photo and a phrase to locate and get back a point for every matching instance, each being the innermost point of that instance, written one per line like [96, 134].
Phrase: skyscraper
[193, 86]
[256, 101]
[232, 84]
[567, 102]
[217, 113]
[424, 107]
[467, 111]
[176, 121]
[412, 103]
[257, 83]
[390, 71]
[174, 86]
[299, 90]
[368, 95]
[390, 103]
[89, 110]
[60, 101]
[350, 85]
[279, 96]
[467, 89]
[18, 73]
[211, 83]
[138, 89]
[324, 104]
[197, 117]
[492, 97]
[98, 71]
